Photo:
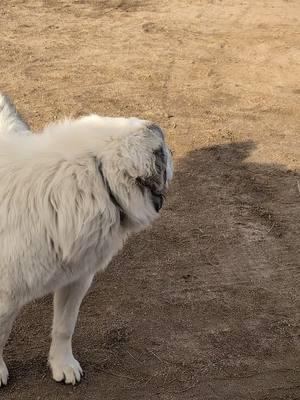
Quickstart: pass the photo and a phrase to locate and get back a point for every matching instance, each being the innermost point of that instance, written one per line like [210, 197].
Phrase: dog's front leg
[66, 306]
[8, 312]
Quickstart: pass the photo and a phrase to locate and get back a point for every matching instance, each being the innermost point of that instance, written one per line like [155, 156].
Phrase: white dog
[69, 198]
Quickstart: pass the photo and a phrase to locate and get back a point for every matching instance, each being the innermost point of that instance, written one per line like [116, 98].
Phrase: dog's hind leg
[8, 312]
[66, 307]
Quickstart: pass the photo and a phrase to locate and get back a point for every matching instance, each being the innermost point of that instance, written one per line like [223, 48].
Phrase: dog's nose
[158, 201]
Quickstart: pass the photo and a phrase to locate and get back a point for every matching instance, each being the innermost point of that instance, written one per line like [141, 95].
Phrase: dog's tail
[10, 120]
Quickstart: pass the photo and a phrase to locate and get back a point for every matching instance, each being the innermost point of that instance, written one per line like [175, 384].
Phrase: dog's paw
[3, 373]
[67, 370]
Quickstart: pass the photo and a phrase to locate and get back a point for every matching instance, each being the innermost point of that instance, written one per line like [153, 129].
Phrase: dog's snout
[158, 201]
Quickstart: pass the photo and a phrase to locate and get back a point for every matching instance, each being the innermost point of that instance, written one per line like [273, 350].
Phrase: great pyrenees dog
[70, 196]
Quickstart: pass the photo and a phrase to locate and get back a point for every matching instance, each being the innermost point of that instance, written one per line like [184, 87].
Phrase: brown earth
[205, 305]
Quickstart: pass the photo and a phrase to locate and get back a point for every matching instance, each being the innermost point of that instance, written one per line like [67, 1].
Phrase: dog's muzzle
[157, 200]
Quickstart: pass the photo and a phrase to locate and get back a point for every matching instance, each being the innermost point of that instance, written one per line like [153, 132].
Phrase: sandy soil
[205, 305]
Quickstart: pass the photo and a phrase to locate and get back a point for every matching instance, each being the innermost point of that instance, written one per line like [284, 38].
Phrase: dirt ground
[205, 305]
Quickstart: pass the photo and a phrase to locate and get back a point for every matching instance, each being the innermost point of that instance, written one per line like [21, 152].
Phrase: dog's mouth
[156, 197]
[157, 200]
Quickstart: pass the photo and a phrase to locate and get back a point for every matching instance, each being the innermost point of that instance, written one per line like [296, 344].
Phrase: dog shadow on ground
[204, 302]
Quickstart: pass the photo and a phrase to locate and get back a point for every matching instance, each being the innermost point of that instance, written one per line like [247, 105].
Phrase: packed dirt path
[205, 305]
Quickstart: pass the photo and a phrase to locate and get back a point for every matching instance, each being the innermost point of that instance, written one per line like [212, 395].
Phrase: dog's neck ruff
[112, 196]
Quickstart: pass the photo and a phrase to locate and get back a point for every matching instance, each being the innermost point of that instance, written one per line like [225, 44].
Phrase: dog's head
[137, 168]
[108, 172]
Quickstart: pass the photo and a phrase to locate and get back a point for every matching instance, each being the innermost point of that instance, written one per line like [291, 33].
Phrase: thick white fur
[58, 223]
